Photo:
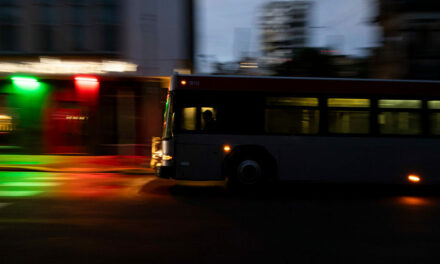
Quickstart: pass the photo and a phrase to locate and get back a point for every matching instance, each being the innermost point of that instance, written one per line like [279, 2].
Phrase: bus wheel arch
[249, 165]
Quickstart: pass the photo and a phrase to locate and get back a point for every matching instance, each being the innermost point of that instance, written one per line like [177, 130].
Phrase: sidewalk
[86, 164]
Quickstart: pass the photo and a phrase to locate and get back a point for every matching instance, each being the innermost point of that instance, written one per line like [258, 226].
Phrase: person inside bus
[208, 120]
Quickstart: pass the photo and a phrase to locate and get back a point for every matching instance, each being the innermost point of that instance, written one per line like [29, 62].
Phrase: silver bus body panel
[316, 158]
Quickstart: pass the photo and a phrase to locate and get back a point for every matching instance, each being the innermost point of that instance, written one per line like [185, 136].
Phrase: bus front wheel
[247, 172]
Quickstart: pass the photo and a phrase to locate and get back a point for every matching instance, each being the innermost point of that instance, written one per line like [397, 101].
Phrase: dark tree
[307, 62]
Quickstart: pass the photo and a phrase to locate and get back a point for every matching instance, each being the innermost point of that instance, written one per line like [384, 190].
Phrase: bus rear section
[252, 130]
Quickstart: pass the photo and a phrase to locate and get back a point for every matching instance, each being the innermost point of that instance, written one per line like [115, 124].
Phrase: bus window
[292, 101]
[208, 119]
[434, 117]
[435, 123]
[434, 105]
[291, 115]
[345, 118]
[348, 102]
[189, 118]
[196, 118]
[400, 117]
[412, 104]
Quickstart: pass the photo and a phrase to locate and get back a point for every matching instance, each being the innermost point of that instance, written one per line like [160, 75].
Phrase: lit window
[189, 117]
[414, 104]
[434, 117]
[348, 102]
[6, 125]
[434, 104]
[348, 121]
[292, 115]
[208, 119]
[292, 101]
[435, 123]
[292, 121]
[402, 119]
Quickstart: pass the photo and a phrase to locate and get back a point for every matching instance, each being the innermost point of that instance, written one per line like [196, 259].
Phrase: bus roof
[306, 85]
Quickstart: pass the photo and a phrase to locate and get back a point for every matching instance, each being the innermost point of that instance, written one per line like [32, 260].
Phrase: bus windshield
[168, 118]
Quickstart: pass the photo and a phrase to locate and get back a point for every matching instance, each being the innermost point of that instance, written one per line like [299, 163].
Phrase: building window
[46, 37]
[9, 16]
[109, 37]
[44, 29]
[9, 38]
[79, 37]
[297, 24]
[299, 16]
[47, 15]
[78, 15]
[109, 14]
[109, 20]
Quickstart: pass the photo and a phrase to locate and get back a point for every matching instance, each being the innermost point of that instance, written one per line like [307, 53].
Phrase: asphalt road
[112, 218]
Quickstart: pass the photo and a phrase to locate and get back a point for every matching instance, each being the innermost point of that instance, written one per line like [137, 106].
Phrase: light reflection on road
[414, 201]
[46, 184]
[201, 183]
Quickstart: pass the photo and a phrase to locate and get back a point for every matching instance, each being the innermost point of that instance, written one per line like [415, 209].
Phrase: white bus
[250, 130]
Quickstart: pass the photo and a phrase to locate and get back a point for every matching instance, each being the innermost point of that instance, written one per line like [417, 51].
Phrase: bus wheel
[247, 172]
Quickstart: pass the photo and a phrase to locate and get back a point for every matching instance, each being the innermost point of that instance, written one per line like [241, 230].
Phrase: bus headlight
[157, 154]
[167, 157]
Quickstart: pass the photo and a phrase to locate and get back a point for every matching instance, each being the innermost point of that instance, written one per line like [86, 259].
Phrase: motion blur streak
[29, 184]
[19, 193]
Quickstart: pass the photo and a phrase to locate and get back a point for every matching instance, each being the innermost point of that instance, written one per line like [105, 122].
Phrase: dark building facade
[410, 40]
[123, 51]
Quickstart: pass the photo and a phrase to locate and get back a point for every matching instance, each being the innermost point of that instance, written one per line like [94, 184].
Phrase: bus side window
[209, 118]
[189, 118]
[292, 115]
[400, 117]
[348, 115]
[434, 117]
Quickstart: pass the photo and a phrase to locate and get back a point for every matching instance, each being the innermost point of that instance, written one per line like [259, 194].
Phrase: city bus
[254, 130]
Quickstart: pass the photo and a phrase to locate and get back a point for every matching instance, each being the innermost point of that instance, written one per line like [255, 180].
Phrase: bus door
[197, 153]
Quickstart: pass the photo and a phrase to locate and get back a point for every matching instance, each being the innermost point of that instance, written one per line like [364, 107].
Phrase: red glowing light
[87, 89]
[86, 83]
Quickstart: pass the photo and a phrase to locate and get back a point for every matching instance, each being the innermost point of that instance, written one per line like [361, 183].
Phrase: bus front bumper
[165, 172]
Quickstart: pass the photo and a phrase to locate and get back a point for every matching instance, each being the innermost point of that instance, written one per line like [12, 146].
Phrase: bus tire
[247, 172]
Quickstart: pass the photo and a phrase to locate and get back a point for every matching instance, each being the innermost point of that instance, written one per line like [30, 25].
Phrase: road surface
[115, 218]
